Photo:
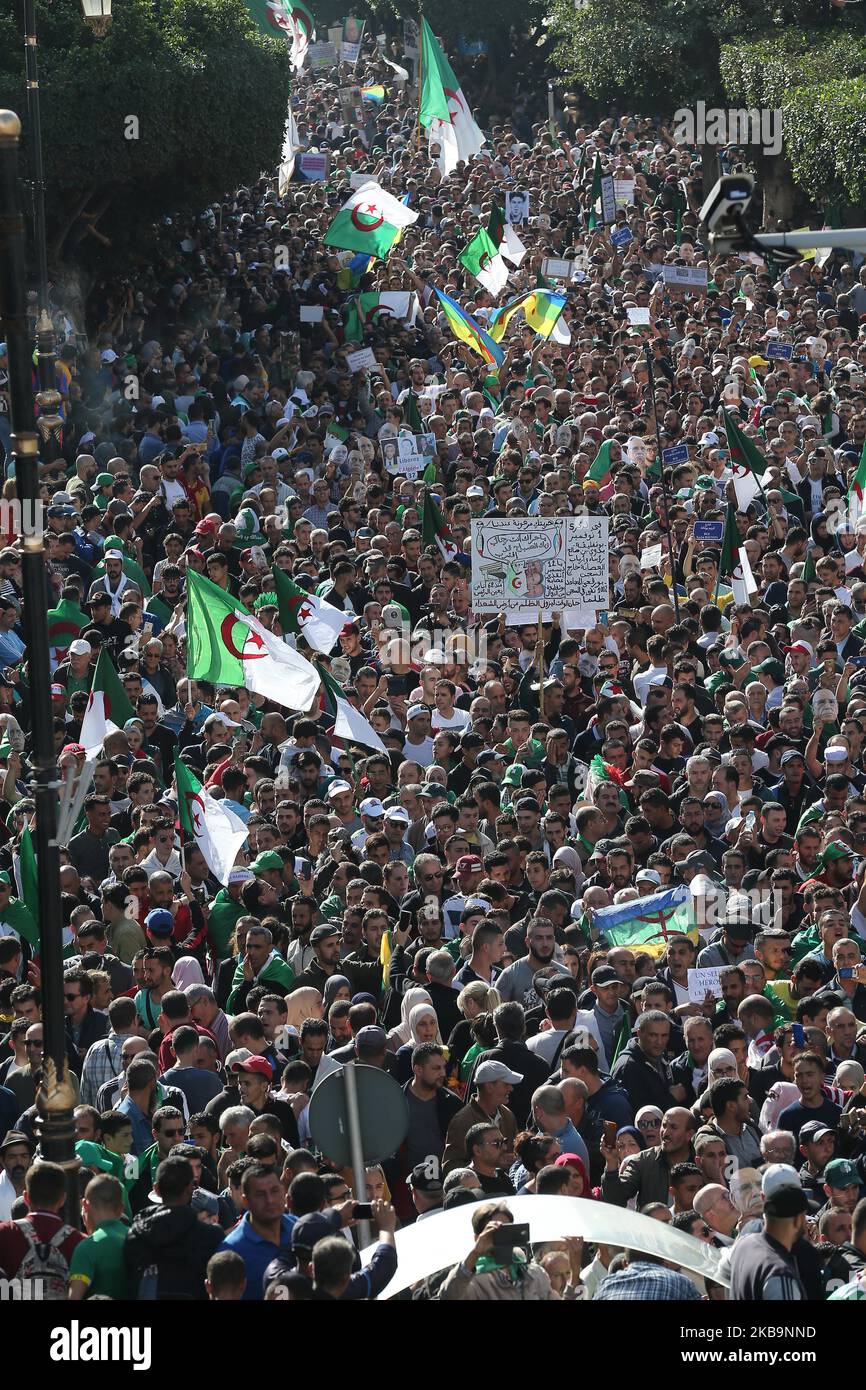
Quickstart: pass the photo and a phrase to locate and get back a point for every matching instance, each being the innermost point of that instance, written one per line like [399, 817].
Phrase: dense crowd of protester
[211, 425]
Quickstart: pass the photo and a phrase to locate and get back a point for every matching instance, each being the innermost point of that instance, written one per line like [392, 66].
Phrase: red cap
[469, 864]
[259, 1066]
[73, 748]
[246, 556]
[205, 528]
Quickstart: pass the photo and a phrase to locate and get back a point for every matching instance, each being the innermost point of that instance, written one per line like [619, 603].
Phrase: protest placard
[516, 208]
[709, 531]
[527, 563]
[651, 557]
[608, 199]
[312, 313]
[685, 277]
[703, 982]
[321, 56]
[313, 166]
[784, 351]
[638, 316]
[555, 269]
[353, 33]
[621, 236]
[677, 453]
[623, 192]
[364, 357]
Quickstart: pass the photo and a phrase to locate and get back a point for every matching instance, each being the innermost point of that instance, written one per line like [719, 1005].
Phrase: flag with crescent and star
[370, 221]
[218, 832]
[443, 110]
[306, 615]
[226, 645]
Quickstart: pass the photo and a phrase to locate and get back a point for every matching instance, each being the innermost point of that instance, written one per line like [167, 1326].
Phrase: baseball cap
[801, 646]
[97, 599]
[418, 708]
[92, 1155]
[812, 1131]
[322, 933]
[336, 787]
[159, 922]
[790, 753]
[256, 1066]
[469, 864]
[265, 862]
[310, 1229]
[497, 1071]
[371, 1038]
[605, 975]
[421, 1180]
[648, 876]
[240, 1054]
[371, 806]
[80, 648]
[240, 875]
[398, 813]
[771, 668]
[841, 1172]
[783, 1194]
[205, 528]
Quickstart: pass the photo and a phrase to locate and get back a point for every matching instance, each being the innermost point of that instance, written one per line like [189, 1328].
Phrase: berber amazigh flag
[370, 221]
[218, 832]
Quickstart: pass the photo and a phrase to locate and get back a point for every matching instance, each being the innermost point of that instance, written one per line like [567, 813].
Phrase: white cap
[709, 438]
[337, 787]
[108, 355]
[113, 555]
[398, 813]
[80, 648]
[240, 875]
[371, 806]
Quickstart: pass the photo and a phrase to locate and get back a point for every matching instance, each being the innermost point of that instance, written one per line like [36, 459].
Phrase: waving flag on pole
[108, 707]
[287, 159]
[306, 615]
[464, 327]
[648, 922]
[434, 528]
[443, 109]
[482, 259]
[218, 832]
[370, 222]
[302, 32]
[595, 196]
[855, 492]
[228, 646]
[541, 311]
[349, 723]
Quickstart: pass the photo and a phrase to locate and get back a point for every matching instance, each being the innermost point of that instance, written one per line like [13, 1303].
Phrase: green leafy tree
[179, 102]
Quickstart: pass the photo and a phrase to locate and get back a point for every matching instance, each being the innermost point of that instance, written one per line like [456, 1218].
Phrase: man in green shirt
[97, 1265]
[225, 910]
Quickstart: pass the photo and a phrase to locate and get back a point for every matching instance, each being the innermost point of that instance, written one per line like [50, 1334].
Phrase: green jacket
[808, 941]
[224, 913]
[275, 972]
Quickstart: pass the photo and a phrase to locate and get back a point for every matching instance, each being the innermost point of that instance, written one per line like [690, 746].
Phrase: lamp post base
[55, 1102]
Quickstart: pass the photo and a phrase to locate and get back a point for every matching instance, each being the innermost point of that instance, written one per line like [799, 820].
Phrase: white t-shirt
[459, 719]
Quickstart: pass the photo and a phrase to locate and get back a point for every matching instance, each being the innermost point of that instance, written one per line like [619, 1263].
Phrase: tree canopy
[177, 103]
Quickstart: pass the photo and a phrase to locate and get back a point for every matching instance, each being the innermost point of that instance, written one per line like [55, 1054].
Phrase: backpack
[45, 1261]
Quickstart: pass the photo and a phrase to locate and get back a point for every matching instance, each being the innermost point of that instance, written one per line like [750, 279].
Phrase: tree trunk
[780, 194]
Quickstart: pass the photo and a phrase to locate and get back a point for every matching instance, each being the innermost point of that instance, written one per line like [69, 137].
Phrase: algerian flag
[65, 622]
[226, 645]
[435, 529]
[369, 222]
[108, 707]
[595, 195]
[302, 31]
[26, 874]
[746, 485]
[306, 615]
[511, 247]
[482, 259]
[287, 159]
[218, 832]
[443, 109]
[742, 579]
[743, 449]
[856, 491]
[365, 310]
[599, 469]
[349, 723]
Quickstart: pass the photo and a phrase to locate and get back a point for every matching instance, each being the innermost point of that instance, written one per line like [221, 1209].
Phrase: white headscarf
[402, 1033]
[416, 1014]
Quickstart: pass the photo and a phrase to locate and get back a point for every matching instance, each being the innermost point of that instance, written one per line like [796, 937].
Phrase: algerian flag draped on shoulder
[856, 491]
[349, 723]
[226, 645]
[218, 832]
[108, 707]
[370, 221]
[65, 622]
[648, 922]
[434, 528]
[443, 109]
[306, 615]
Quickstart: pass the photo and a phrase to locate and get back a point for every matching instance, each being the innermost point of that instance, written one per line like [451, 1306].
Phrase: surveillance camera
[724, 210]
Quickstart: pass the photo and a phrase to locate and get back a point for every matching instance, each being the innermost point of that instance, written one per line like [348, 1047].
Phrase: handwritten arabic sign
[522, 564]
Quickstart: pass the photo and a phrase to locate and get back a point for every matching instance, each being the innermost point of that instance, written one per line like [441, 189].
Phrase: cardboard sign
[709, 531]
[685, 277]
[784, 351]
[678, 453]
[639, 317]
[555, 269]
[363, 358]
[651, 557]
[312, 313]
[608, 198]
[623, 192]
[322, 56]
[313, 167]
[703, 982]
[521, 564]
[621, 236]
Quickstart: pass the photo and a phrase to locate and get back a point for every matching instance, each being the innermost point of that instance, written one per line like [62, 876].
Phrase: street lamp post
[55, 1097]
